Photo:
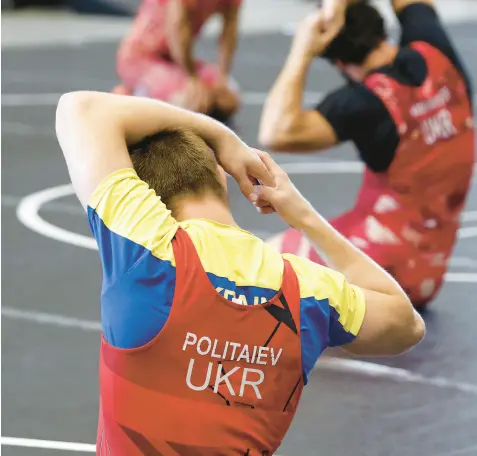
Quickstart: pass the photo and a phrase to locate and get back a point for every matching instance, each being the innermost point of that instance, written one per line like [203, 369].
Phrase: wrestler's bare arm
[179, 35]
[228, 38]
[94, 130]
[285, 125]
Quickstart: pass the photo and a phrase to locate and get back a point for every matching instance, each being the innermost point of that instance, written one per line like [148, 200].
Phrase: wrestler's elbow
[274, 143]
[79, 99]
[75, 108]
[76, 113]
[391, 327]
[419, 329]
[73, 105]
[408, 332]
[277, 136]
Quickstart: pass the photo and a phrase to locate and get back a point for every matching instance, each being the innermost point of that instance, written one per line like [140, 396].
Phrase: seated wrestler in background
[407, 109]
[156, 58]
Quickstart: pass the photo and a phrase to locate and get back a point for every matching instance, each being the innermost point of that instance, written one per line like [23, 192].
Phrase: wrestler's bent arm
[285, 126]
[228, 38]
[391, 325]
[94, 130]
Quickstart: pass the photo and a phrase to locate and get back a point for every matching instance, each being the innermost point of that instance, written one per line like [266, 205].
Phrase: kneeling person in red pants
[407, 109]
[156, 59]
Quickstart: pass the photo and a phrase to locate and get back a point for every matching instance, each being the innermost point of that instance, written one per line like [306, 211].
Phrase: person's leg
[420, 275]
[165, 80]
[293, 241]
[130, 70]
[159, 79]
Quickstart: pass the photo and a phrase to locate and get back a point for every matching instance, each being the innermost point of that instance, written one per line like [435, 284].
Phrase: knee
[423, 293]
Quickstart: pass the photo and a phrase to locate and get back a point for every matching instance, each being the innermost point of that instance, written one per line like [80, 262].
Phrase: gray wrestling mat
[423, 403]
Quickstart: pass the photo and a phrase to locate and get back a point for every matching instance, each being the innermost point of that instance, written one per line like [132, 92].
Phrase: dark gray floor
[49, 387]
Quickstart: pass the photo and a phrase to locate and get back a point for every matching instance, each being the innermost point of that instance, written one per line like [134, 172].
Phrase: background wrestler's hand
[334, 12]
[221, 82]
[197, 96]
[283, 197]
[243, 164]
[314, 35]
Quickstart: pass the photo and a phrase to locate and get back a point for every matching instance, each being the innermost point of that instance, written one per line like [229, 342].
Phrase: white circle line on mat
[29, 207]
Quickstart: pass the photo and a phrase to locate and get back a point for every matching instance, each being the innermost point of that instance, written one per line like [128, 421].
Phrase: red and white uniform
[219, 379]
[407, 218]
[143, 62]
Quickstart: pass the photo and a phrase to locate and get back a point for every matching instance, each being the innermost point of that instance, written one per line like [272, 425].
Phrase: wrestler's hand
[314, 35]
[222, 82]
[283, 197]
[243, 164]
[334, 12]
[197, 97]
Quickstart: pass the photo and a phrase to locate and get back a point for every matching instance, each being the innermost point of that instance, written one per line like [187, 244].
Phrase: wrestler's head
[181, 168]
[363, 34]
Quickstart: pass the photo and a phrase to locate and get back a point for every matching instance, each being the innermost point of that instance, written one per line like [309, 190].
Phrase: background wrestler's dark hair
[177, 163]
[363, 31]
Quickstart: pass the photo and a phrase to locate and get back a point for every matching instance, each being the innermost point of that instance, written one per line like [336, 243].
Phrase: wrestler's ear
[222, 176]
[339, 64]
[350, 71]
[355, 72]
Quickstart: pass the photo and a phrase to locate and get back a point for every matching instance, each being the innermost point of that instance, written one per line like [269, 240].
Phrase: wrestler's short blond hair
[177, 163]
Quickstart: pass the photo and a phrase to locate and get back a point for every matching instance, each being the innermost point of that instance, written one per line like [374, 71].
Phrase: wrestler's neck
[208, 207]
[383, 55]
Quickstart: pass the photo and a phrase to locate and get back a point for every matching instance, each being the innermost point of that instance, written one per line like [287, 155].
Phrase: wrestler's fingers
[259, 170]
[266, 210]
[270, 164]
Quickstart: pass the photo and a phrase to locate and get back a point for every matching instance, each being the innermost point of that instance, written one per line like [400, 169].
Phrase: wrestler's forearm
[228, 42]
[391, 325]
[180, 37]
[186, 51]
[134, 118]
[340, 254]
[284, 102]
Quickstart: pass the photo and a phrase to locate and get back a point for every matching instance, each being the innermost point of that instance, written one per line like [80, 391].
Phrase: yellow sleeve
[345, 303]
[127, 219]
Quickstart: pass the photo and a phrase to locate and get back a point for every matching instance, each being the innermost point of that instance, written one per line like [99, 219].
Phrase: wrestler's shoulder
[315, 280]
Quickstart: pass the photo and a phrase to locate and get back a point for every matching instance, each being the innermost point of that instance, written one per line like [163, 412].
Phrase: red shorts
[162, 79]
[421, 275]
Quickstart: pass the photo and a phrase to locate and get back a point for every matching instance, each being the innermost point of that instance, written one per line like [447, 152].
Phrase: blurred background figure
[408, 110]
[156, 58]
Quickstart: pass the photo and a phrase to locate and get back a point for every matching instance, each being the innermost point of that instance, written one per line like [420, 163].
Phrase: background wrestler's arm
[180, 36]
[94, 130]
[228, 37]
[285, 125]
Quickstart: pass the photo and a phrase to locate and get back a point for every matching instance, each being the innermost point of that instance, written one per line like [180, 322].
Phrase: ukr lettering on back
[245, 379]
[439, 126]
